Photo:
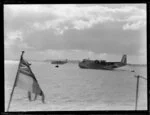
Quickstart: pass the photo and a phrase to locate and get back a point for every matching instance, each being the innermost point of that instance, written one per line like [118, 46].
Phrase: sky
[76, 31]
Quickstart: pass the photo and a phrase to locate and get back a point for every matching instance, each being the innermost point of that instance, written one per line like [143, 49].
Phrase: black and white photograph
[73, 57]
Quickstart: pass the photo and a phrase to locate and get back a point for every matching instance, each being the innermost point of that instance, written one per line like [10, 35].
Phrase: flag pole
[14, 84]
[137, 89]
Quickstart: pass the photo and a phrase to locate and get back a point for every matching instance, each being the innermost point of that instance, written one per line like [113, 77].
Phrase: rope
[140, 77]
[143, 78]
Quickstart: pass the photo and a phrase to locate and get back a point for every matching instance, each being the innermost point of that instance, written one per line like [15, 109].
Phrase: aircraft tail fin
[124, 59]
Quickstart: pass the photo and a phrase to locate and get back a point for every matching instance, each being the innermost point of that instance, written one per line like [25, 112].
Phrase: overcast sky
[95, 31]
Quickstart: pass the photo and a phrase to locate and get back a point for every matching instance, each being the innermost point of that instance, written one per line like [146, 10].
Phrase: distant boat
[59, 62]
[102, 64]
[57, 66]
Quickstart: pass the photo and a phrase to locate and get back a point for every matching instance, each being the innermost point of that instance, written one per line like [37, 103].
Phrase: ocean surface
[71, 88]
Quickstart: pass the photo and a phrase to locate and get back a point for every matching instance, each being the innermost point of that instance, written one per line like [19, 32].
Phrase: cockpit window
[84, 60]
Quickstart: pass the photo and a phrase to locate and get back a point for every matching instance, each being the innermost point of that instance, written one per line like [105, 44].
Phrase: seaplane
[102, 64]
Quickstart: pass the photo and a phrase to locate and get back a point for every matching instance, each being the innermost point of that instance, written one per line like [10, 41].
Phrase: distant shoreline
[69, 61]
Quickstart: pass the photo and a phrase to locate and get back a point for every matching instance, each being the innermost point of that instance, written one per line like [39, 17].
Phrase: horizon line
[68, 59]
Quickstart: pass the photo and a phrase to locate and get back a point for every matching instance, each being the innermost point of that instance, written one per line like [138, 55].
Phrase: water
[71, 88]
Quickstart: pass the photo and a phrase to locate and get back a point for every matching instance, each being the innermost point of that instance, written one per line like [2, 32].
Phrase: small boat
[57, 66]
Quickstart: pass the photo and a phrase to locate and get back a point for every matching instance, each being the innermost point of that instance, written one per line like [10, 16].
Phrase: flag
[26, 79]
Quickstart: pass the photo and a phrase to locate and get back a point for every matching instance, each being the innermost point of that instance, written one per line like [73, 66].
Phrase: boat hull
[92, 65]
